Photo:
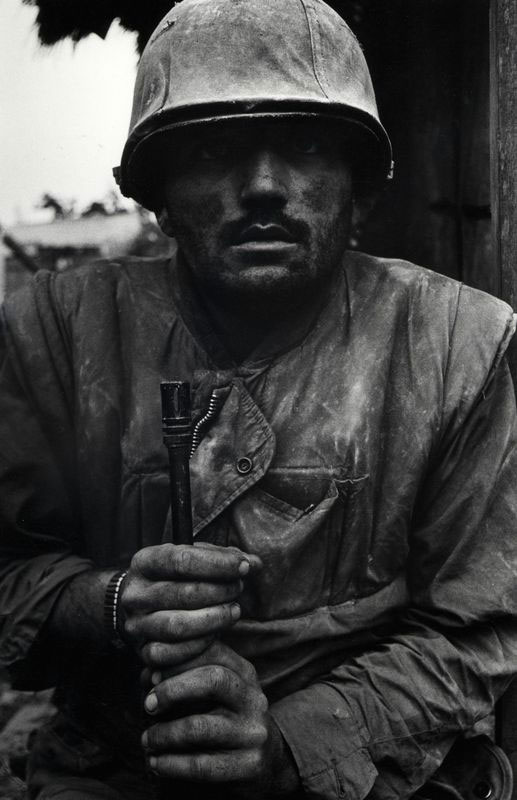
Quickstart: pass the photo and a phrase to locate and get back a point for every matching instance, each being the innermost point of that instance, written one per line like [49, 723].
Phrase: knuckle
[162, 737]
[256, 762]
[189, 595]
[153, 737]
[219, 679]
[249, 672]
[130, 597]
[139, 561]
[183, 559]
[198, 729]
[164, 556]
[146, 653]
[152, 653]
[155, 652]
[131, 627]
[261, 703]
[134, 564]
[260, 735]
[224, 614]
[164, 693]
[167, 550]
[198, 768]
[195, 647]
[216, 650]
[176, 626]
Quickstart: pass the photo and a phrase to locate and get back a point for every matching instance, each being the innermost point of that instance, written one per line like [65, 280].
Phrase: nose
[264, 180]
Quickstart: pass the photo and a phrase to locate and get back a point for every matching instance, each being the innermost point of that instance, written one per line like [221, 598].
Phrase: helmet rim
[143, 138]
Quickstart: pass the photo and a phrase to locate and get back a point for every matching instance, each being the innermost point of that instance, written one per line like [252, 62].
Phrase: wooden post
[503, 135]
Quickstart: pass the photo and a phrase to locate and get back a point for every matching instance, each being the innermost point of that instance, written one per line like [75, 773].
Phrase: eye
[213, 150]
[308, 144]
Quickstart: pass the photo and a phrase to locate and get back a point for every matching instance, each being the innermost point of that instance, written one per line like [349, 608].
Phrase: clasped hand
[177, 599]
[212, 721]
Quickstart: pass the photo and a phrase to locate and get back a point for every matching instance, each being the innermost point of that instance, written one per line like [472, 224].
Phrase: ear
[163, 220]
[361, 209]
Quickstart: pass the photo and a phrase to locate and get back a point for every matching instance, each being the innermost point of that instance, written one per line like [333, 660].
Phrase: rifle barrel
[177, 437]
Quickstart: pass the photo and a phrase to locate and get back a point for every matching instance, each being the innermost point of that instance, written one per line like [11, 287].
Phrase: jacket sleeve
[381, 724]
[40, 549]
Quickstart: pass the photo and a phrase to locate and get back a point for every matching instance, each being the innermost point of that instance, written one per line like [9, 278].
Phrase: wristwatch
[111, 609]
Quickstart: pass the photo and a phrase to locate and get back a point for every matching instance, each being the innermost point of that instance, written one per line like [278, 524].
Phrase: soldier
[348, 610]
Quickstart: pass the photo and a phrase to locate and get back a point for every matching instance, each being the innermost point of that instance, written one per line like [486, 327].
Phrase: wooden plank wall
[430, 63]
[416, 76]
[503, 130]
[503, 127]
[477, 262]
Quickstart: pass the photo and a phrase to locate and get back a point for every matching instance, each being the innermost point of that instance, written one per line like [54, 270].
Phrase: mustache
[232, 232]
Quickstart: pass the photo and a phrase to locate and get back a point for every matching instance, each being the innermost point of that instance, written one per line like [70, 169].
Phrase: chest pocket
[313, 556]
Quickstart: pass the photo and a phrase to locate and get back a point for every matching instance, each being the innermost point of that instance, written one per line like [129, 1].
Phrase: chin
[279, 282]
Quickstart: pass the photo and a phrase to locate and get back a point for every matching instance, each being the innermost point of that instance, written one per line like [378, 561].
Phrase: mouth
[264, 238]
[264, 234]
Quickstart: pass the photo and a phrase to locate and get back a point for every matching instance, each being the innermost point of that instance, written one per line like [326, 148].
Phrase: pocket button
[244, 465]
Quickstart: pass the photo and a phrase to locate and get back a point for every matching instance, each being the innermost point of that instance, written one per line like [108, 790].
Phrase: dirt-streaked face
[260, 209]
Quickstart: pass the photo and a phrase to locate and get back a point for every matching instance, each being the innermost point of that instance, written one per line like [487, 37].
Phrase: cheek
[327, 199]
[194, 213]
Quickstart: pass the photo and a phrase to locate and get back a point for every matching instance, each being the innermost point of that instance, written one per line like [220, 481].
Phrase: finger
[209, 767]
[216, 652]
[202, 732]
[212, 686]
[169, 562]
[254, 561]
[176, 626]
[167, 595]
[163, 656]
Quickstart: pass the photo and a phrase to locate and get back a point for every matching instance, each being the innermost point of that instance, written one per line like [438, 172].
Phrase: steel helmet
[213, 60]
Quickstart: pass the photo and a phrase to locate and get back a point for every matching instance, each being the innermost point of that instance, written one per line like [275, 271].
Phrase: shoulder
[108, 279]
[440, 323]
[99, 285]
[428, 298]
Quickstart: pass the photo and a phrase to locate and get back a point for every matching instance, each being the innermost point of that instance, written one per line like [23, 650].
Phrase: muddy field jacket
[368, 457]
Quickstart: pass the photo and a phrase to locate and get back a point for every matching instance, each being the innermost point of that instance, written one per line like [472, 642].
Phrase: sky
[64, 113]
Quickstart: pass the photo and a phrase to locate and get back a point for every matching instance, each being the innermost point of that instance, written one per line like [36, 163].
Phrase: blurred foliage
[67, 209]
[75, 19]
[61, 209]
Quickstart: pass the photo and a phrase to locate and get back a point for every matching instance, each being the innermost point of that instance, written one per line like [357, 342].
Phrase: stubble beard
[271, 286]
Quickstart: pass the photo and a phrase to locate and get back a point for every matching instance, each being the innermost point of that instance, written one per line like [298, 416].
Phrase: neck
[243, 325]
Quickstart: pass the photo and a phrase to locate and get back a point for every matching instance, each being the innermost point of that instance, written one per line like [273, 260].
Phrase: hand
[176, 599]
[228, 737]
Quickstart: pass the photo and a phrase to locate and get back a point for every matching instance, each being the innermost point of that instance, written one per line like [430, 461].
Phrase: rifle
[177, 438]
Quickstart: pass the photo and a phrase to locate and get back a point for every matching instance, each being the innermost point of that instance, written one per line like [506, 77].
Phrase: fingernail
[244, 567]
[156, 678]
[235, 611]
[145, 739]
[153, 762]
[151, 703]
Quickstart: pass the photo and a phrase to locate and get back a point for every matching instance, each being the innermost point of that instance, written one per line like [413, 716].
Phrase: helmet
[214, 60]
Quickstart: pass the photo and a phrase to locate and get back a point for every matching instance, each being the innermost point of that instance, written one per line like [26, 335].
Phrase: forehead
[261, 130]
